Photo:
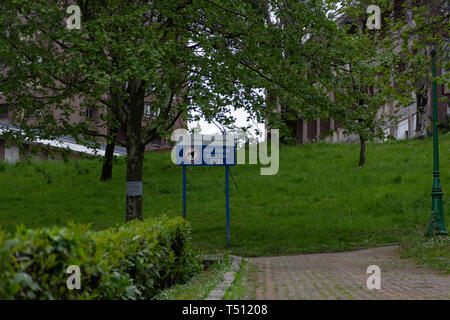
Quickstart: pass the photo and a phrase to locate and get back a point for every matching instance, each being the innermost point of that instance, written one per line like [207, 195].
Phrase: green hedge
[134, 261]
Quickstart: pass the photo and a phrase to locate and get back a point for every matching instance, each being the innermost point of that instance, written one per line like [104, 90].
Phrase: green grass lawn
[319, 200]
[431, 252]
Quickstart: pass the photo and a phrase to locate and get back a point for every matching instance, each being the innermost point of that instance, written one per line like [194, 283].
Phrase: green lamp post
[437, 223]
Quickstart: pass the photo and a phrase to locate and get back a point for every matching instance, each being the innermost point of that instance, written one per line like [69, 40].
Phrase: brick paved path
[343, 276]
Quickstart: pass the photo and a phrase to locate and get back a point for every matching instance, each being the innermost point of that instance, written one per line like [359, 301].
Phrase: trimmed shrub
[133, 261]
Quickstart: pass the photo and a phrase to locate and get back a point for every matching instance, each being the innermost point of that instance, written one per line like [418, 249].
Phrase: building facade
[49, 149]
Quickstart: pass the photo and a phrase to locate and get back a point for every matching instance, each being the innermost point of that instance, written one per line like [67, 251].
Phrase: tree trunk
[134, 182]
[135, 150]
[109, 156]
[421, 116]
[362, 152]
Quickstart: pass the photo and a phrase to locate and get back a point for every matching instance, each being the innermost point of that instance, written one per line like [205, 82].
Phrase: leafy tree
[306, 43]
[364, 95]
[177, 55]
[327, 69]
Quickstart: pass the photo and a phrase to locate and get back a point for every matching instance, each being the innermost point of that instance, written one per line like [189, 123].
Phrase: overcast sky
[241, 121]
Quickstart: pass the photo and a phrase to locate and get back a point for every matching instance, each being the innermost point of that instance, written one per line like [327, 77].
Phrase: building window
[402, 129]
[386, 133]
[150, 113]
[89, 113]
[32, 113]
[4, 111]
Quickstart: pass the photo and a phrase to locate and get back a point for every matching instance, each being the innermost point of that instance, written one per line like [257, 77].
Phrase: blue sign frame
[207, 155]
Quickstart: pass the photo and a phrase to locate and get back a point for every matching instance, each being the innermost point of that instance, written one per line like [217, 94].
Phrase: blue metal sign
[197, 150]
[205, 155]
[205, 150]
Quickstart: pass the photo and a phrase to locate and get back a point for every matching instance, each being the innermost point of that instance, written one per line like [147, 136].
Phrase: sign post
[206, 150]
[184, 192]
[227, 205]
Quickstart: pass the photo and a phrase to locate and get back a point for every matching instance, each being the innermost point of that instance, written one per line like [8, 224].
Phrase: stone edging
[228, 278]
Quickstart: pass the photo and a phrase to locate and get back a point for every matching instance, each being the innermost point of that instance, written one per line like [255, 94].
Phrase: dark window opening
[90, 114]
[150, 113]
[4, 109]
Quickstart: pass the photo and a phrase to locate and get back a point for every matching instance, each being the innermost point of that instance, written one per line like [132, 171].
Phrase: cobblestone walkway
[343, 276]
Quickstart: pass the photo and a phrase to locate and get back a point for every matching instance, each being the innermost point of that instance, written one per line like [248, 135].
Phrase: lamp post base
[436, 225]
